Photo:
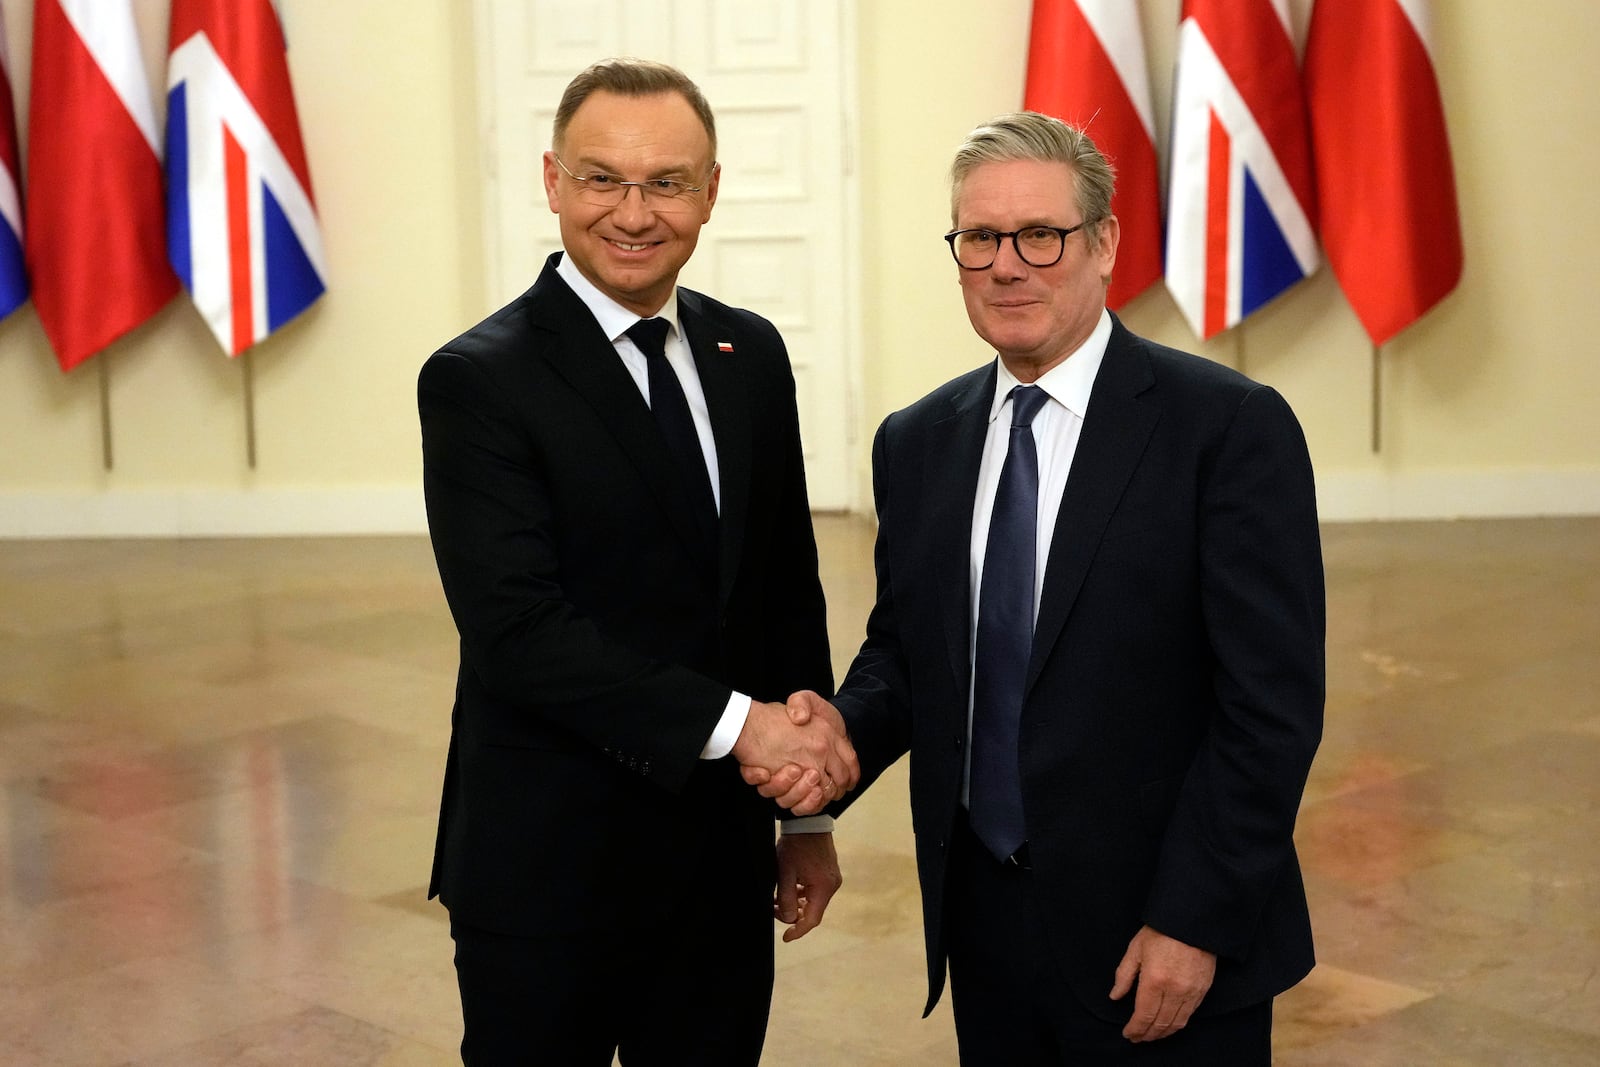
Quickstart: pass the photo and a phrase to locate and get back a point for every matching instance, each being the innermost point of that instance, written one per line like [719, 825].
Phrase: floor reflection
[220, 760]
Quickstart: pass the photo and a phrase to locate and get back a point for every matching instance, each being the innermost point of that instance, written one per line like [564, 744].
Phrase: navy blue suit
[1175, 690]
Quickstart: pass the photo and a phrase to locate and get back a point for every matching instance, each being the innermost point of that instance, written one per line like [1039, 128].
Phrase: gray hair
[631, 77]
[1028, 135]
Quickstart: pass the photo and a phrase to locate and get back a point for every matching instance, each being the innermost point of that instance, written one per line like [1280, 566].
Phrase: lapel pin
[724, 346]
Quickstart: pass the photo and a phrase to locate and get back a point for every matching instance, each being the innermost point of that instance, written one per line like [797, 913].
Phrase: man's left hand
[808, 876]
[1173, 979]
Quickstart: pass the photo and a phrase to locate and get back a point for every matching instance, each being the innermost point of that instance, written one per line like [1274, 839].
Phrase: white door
[780, 77]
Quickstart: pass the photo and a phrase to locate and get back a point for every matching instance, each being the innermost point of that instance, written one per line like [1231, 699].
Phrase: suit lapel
[1115, 432]
[728, 403]
[585, 357]
[953, 488]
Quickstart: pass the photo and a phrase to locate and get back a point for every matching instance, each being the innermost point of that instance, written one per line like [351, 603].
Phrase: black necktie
[1005, 636]
[671, 412]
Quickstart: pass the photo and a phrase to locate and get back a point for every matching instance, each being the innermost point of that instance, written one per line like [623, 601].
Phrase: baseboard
[1341, 497]
[1512, 492]
[214, 513]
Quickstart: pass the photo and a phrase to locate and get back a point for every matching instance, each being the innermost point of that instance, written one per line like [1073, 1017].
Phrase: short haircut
[1028, 135]
[632, 77]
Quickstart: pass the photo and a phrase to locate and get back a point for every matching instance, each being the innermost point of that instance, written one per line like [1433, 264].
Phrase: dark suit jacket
[1175, 691]
[596, 653]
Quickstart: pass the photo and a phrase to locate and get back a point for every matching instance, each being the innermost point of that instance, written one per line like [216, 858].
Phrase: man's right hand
[801, 757]
[797, 786]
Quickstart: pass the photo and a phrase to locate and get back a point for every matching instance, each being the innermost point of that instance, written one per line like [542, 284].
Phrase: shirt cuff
[806, 824]
[728, 727]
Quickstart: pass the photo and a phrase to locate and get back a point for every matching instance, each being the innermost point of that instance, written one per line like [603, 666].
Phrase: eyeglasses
[1038, 246]
[608, 190]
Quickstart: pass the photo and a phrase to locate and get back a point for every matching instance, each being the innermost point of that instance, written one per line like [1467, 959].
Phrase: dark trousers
[694, 989]
[1013, 1007]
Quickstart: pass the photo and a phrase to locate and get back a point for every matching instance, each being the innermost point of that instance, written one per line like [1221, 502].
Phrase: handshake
[799, 755]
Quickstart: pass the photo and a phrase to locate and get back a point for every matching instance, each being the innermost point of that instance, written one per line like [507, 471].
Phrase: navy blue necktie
[671, 411]
[1005, 636]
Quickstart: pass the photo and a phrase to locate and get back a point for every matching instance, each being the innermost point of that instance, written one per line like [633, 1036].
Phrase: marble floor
[220, 762]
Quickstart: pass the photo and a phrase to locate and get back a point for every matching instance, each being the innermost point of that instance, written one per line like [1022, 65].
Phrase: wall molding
[1516, 492]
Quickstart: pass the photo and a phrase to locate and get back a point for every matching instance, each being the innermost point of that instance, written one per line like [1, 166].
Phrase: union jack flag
[1241, 200]
[13, 276]
[242, 229]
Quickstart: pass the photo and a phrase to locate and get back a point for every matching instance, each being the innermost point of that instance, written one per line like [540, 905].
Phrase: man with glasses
[618, 510]
[1099, 633]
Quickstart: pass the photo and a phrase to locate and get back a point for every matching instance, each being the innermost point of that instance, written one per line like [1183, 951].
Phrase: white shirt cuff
[807, 824]
[728, 727]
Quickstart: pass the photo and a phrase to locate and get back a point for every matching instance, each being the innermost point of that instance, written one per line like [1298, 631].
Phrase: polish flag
[1241, 201]
[13, 275]
[93, 241]
[242, 228]
[1385, 187]
[1086, 66]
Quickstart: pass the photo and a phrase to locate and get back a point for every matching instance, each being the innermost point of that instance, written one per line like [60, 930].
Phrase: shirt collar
[1069, 382]
[613, 318]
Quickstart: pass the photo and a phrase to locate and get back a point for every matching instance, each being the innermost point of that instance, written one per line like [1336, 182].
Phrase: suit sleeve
[875, 698]
[491, 519]
[1262, 602]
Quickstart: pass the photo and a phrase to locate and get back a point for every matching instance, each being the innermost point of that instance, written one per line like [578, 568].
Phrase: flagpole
[1377, 401]
[104, 379]
[249, 409]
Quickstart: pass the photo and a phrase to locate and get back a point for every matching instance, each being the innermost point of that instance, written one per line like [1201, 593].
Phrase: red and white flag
[13, 275]
[1241, 202]
[95, 247]
[1385, 186]
[1086, 66]
[242, 228]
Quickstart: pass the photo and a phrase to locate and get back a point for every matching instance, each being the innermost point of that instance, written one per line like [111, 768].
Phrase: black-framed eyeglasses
[608, 190]
[1038, 246]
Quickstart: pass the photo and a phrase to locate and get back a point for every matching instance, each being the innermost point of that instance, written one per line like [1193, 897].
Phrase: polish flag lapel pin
[724, 346]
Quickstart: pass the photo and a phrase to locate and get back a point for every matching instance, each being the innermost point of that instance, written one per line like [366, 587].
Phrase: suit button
[959, 742]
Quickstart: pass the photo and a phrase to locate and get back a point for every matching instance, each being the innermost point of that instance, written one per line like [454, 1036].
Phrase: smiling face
[632, 252]
[1033, 316]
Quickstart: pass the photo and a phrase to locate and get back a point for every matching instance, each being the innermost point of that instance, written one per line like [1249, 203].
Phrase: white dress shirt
[1055, 433]
[615, 320]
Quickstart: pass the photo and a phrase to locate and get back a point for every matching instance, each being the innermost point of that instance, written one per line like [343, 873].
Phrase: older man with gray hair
[1099, 632]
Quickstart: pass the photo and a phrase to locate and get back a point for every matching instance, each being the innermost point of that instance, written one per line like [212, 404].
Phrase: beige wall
[1487, 404]
[387, 99]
